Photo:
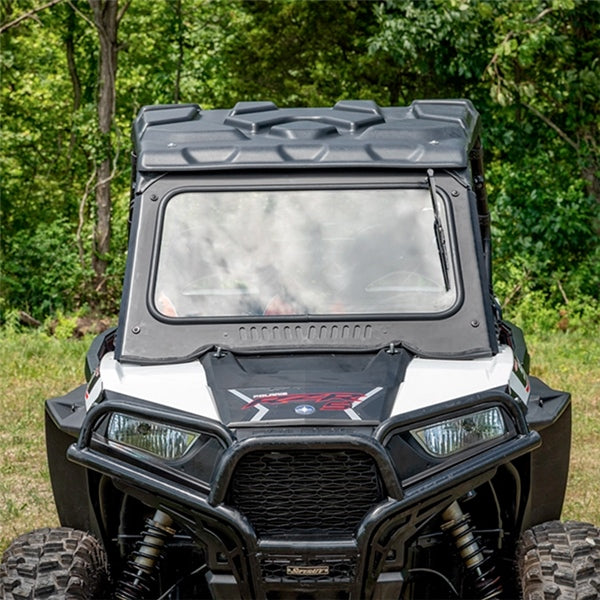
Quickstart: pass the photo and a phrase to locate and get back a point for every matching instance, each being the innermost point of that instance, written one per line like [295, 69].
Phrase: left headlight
[458, 434]
[154, 438]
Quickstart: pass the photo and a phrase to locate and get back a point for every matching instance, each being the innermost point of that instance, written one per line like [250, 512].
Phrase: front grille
[305, 492]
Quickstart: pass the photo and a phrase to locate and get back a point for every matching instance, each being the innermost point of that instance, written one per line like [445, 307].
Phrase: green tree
[530, 66]
[544, 77]
[433, 48]
[289, 52]
[546, 68]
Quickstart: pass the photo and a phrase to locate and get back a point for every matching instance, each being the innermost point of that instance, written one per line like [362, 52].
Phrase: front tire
[561, 561]
[54, 564]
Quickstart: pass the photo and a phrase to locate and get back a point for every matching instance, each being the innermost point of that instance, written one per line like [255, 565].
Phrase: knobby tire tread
[53, 564]
[560, 561]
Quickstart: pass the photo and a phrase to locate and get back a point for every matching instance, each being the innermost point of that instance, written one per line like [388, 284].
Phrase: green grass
[571, 362]
[34, 367]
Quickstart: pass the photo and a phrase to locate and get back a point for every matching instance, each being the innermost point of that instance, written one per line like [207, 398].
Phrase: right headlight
[455, 435]
[164, 441]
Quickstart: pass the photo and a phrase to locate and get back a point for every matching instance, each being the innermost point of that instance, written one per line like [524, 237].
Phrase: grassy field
[34, 366]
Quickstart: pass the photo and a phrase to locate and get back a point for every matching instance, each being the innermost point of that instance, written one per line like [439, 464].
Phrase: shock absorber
[138, 576]
[481, 572]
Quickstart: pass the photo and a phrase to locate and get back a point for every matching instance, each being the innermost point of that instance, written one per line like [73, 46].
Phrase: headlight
[161, 440]
[451, 436]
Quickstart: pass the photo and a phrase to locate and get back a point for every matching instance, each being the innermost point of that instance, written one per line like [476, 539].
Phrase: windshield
[302, 252]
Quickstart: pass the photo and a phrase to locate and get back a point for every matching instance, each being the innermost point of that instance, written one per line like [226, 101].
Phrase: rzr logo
[324, 401]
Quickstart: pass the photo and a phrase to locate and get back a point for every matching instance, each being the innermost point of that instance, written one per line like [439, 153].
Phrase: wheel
[560, 561]
[54, 564]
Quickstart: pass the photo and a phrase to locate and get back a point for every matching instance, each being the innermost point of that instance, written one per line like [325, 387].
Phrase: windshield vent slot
[305, 333]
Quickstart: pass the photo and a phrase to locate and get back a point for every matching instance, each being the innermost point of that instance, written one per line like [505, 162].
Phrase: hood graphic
[305, 404]
[305, 388]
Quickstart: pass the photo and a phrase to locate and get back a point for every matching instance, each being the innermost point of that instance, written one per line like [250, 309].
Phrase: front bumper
[356, 554]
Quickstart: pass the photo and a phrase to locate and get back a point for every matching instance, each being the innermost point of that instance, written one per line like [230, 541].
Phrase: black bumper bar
[361, 560]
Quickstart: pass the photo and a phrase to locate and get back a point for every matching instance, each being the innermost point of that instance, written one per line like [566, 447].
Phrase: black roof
[356, 133]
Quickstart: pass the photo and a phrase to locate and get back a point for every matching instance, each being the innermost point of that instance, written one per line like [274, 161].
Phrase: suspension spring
[138, 577]
[482, 573]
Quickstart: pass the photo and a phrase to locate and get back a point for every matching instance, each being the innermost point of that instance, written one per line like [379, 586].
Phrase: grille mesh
[305, 492]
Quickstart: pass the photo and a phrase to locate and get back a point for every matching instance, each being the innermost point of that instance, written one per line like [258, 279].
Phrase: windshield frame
[147, 337]
[449, 251]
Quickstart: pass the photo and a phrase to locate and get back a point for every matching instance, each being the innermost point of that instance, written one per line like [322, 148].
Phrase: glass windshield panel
[301, 252]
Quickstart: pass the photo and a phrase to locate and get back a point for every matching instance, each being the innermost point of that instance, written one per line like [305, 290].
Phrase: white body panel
[428, 381]
[182, 386]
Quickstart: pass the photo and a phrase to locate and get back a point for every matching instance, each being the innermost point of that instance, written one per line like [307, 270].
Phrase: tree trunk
[70, 48]
[106, 21]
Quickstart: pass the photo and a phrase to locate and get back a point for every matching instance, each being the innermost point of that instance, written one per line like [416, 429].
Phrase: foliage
[532, 67]
[288, 52]
[544, 228]
[546, 71]
[49, 256]
[533, 311]
[435, 48]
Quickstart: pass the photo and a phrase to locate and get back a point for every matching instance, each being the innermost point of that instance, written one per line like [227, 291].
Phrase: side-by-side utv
[311, 392]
